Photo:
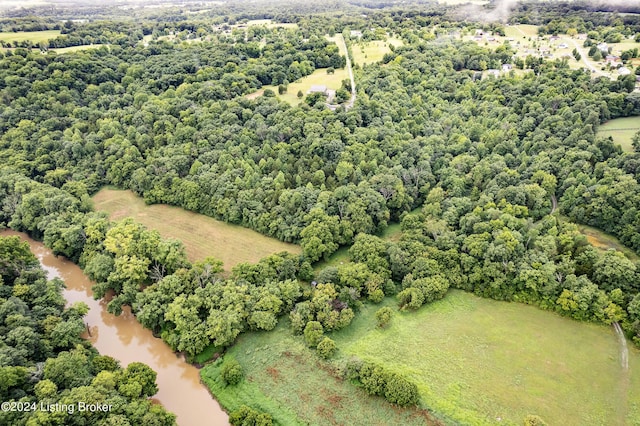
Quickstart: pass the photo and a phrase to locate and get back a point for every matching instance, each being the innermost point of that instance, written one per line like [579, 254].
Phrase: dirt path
[586, 61]
[350, 70]
[625, 377]
[624, 350]
[554, 204]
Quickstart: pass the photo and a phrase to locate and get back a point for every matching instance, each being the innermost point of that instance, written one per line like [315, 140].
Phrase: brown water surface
[123, 338]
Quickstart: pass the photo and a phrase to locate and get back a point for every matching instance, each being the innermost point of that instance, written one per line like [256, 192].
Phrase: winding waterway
[123, 338]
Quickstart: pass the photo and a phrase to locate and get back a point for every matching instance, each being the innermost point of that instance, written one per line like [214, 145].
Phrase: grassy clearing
[602, 240]
[481, 362]
[373, 51]
[621, 130]
[34, 37]
[76, 48]
[319, 77]
[202, 236]
[287, 380]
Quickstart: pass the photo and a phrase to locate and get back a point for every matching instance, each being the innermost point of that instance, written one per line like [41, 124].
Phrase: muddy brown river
[123, 338]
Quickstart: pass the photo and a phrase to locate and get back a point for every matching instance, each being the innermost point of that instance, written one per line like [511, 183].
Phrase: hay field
[202, 236]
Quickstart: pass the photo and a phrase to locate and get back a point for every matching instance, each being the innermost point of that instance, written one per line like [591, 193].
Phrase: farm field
[373, 51]
[33, 36]
[472, 356]
[621, 130]
[274, 364]
[202, 236]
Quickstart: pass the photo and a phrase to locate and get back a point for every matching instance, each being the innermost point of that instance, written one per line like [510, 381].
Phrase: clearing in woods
[621, 130]
[202, 236]
[287, 380]
[319, 77]
[34, 37]
[480, 361]
[372, 51]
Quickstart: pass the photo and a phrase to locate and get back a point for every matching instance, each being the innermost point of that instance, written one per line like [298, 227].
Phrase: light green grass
[373, 51]
[478, 361]
[621, 130]
[202, 236]
[34, 37]
[319, 77]
[521, 30]
[286, 379]
[76, 48]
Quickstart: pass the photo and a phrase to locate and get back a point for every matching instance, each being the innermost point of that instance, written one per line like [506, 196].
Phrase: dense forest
[45, 363]
[471, 168]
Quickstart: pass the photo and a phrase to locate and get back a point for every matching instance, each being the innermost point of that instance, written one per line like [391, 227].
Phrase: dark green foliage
[246, 416]
[400, 391]
[44, 360]
[232, 372]
[377, 381]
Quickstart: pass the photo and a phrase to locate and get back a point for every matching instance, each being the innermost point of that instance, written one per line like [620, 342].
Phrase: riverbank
[124, 339]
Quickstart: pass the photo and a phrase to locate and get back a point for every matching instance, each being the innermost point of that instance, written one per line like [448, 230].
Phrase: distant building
[563, 46]
[318, 89]
[491, 38]
[493, 72]
[612, 59]
[554, 38]
[624, 71]
[507, 67]
[604, 47]
[355, 34]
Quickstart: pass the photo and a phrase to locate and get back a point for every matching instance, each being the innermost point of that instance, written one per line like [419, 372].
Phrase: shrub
[533, 420]
[327, 348]
[245, 416]
[383, 316]
[376, 296]
[399, 390]
[232, 372]
[313, 333]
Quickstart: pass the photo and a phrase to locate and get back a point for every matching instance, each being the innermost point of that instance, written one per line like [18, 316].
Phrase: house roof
[318, 89]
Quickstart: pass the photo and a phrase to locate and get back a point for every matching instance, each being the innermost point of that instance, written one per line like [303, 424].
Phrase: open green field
[521, 30]
[286, 379]
[34, 37]
[621, 130]
[76, 48]
[480, 361]
[202, 236]
[372, 51]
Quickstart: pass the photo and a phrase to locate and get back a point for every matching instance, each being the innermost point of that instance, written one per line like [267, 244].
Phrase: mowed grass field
[34, 37]
[372, 51]
[202, 236]
[480, 361]
[286, 379]
[621, 130]
[318, 77]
